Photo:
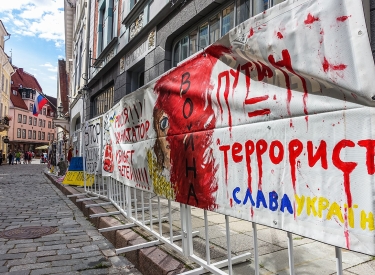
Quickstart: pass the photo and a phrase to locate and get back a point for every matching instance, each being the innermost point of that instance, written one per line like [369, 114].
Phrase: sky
[37, 38]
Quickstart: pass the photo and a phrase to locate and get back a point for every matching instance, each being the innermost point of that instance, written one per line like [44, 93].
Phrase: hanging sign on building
[139, 52]
[273, 124]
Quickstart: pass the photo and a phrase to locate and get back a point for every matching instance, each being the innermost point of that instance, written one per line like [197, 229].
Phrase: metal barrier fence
[172, 224]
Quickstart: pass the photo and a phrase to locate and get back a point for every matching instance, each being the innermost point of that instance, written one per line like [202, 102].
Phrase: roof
[52, 100]
[17, 100]
[63, 85]
[21, 77]
[3, 28]
[25, 80]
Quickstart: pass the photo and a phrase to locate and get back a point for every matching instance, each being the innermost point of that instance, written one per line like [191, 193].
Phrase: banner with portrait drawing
[273, 124]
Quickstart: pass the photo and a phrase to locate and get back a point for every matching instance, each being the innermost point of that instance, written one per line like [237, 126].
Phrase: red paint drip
[346, 231]
[280, 35]
[277, 65]
[251, 33]
[310, 19]
[261, 148]
[342, 18]
[259, 113]
[274, 97]
[327, 66]
[255, 100]
[287, 63]
[231, 202]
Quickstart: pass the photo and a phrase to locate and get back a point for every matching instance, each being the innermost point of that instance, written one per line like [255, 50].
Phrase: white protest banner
[271, 124]
[93, 146]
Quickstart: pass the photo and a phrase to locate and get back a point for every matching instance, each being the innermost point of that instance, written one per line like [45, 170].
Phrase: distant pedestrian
[10, 158]
[26, 157]
[1, 157]
[18, 157]
[29, 157]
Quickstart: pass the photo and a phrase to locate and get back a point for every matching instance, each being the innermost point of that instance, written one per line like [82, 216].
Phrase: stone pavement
[27, 198]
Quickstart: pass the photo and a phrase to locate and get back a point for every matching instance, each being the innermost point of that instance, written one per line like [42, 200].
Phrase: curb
[149, 261]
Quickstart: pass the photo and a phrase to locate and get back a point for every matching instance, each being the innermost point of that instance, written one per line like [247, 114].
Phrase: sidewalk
[310, 257]
[27, 198]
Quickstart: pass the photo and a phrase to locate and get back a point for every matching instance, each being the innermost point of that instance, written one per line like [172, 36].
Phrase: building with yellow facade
[6, 71]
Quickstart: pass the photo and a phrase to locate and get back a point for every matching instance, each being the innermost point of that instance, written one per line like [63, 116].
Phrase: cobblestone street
[27, 198]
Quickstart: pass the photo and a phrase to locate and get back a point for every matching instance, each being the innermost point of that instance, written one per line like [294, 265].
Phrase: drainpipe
[87, 63]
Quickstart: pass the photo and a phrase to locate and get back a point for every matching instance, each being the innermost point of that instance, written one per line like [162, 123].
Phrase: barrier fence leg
[208, 256]
[151, 216]
[256, 253]
[338, 260]
[228, 245]
[290, 253]
[128, 202]
[143, 207]
[170, 222]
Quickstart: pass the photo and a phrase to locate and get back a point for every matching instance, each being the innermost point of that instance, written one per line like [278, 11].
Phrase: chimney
[20, 70]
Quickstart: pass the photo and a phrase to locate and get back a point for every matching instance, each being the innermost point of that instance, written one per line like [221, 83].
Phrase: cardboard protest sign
[75, 174]
[271, 124]
[93, 146]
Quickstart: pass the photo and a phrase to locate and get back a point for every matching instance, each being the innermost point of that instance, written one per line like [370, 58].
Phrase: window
[203, 37]
[44, 123]
[43, 135]
[35, 120]
[34, 134]
[103, 102]
[49, 124]
[78, 124]
[30, 120]
[39, 135]
[193, 43]
[228, 20]
[5, 111]
[132, 3]
[30, 134]
[52, 136]
[31, 107]
[23, 94]
[24, 119]
[48, 136]
[243, 11]
[217, 25]
[214, 29]
[24, 133]
[44, 111]
[18, 133]
[101, 29]
[2, 82]
[19, 118]
[40, 123]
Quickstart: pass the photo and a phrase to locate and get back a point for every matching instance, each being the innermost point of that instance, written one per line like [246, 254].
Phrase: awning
[44, 147]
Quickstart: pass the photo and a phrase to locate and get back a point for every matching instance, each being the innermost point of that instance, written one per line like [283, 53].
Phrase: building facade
[131, 43]
[6, 70]
[28, 131]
